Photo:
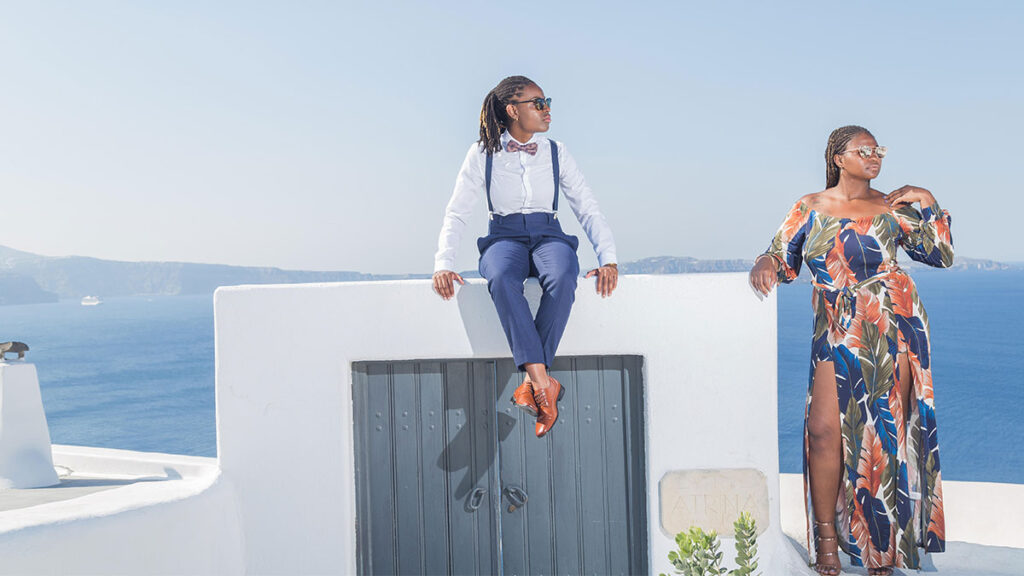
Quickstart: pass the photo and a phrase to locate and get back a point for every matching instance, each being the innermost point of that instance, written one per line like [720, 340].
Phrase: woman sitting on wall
[521, 175]
[871, 454]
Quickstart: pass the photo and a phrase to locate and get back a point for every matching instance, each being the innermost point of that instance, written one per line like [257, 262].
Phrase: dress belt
[846, 298]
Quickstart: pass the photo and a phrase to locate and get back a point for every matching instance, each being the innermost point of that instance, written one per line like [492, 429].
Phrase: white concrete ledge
[986, 513]
[99, 482]
[108, 462]
[984, 526]
[123, 512]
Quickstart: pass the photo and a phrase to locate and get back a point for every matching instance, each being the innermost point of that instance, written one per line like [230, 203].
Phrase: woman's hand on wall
[444, 283]
[607, 279]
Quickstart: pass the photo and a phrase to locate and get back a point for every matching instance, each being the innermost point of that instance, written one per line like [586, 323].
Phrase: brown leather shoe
[547, 406]
[522, 398]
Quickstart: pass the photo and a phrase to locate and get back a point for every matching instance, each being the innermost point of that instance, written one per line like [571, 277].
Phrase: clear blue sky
[327, 135]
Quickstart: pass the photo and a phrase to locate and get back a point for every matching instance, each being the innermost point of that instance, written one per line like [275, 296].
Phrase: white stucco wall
[25, 460]
[162, 514]
[197, 535]
[284, 356]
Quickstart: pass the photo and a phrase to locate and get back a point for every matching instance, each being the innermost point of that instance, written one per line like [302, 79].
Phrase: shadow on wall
[458, 454]
[483, 329]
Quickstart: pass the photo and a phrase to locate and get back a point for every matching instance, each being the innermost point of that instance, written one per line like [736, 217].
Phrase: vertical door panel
[485, 448]
[459, 462]
[591, 467]
[566, 497]
[361, 422]
[380, 473]
[636, 477]
[512, 452]
[539, 484]
[408, 472]
[616, 465]
[435, 503]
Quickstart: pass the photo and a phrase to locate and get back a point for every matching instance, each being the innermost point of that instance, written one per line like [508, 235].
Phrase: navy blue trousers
[517, 247]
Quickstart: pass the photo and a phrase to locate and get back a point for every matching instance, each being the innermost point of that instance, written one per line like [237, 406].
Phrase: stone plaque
[712, 499]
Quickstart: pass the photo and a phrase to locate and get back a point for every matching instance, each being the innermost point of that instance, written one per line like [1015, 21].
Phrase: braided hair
[493, 118]
[837, 142]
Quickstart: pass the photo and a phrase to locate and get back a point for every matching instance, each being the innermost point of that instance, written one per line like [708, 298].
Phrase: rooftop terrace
[281, 496]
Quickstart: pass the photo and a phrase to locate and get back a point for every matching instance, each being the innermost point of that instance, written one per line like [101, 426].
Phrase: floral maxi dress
[866, 314]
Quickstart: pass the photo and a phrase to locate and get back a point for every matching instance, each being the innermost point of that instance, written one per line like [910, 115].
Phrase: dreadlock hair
[493, 118]
[837, 142]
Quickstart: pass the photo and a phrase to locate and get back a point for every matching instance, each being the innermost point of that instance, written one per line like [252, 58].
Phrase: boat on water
[91, 301]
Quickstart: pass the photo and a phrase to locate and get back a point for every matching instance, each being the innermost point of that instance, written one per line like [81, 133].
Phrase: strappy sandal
[881, 571]
[826, 569]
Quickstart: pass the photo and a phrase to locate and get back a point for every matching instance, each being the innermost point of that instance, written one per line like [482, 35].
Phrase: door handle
[517, 496]
[475, 499]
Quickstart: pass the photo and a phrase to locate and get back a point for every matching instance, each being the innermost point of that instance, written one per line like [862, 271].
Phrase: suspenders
[554, 171]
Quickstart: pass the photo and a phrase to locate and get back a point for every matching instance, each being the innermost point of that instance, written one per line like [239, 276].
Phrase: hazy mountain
[17, 289]
[30, 278]
[686, 265]
[682, 265]
[78, 276]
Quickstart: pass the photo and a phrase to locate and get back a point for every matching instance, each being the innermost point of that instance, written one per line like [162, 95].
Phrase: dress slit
[838, 517]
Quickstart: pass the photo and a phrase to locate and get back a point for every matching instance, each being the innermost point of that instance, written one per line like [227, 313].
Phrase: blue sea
[134, 373]
[138, 373]
[977, 371]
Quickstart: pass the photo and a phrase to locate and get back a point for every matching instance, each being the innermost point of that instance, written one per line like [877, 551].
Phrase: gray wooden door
[450, 478]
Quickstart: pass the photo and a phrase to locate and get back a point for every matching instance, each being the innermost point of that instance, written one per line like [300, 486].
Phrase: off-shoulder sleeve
[787, 245]
[925, 235]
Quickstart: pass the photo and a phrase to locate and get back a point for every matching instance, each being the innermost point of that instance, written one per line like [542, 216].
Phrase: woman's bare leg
[824, 458]
[906, 384]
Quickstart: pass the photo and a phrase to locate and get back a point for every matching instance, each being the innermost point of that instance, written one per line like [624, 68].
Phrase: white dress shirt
[521, 183]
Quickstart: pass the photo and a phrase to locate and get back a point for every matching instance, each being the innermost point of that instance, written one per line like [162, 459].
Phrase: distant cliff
[30, 278]
[682, 265]
[77, 276]
[686, 265]
[17, 289]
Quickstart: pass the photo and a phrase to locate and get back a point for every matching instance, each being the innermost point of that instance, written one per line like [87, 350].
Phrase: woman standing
[871, 455]
[521, 175]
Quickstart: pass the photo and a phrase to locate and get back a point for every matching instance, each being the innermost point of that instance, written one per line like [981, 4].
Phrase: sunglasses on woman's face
[539, 103]
[866, 151]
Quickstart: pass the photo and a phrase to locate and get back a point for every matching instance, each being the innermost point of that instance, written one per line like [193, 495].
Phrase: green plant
[699, 555]
[746, 545]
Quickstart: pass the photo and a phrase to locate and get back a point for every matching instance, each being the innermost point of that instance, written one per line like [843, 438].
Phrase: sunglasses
[866, 151]
[538, 103]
